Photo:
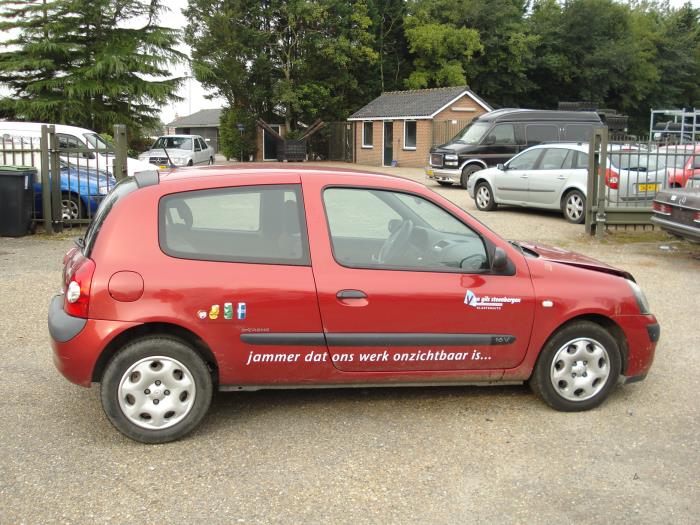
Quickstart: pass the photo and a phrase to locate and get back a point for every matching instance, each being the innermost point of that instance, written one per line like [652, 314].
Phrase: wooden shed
[399, 127]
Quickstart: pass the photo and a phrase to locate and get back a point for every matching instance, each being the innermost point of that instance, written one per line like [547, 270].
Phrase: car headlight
[103, 190]
[639, 297]
[451, 160]
[179, 160]
[451, 157]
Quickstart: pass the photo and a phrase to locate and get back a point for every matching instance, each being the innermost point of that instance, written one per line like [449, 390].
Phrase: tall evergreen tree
[92, 63]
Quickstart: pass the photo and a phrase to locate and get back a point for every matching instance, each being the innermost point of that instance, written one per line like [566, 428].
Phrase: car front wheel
[483, 197]
[156, 390]
[574, 207]
[467, 172]
[577, 368]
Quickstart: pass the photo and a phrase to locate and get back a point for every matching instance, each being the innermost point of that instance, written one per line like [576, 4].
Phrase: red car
[683, 163]
[242, 279]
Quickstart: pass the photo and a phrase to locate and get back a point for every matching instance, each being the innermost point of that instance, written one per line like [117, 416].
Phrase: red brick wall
[424, 136]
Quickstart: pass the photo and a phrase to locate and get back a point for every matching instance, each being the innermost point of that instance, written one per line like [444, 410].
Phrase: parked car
[554, 176]
[497, 136]
[683, 162]
[179, 150]
[79, 147]
[262, 278]
[677, 211]
[82, 190]
[549, 176]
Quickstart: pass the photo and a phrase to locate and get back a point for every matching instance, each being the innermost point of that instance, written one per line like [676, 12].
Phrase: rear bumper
[689, 232]
[443, 174]
[78, 343]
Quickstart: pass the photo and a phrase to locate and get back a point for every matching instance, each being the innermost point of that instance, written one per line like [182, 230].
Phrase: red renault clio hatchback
[242, 279]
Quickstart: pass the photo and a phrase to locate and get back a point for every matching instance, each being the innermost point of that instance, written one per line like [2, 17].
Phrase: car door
[499, 144]
[241, 256]
[512, 183]
[197, 152]
[402, 286]
[547, 181]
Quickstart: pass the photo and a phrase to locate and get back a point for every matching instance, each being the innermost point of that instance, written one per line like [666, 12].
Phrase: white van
[18, 136]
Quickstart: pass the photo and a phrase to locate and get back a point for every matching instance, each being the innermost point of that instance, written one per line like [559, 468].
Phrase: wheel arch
[568, 190]
[605, 322]
[151, 329]
[478, 162]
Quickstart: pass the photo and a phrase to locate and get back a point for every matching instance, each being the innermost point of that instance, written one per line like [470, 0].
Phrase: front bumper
[642, 333]
[452, 175]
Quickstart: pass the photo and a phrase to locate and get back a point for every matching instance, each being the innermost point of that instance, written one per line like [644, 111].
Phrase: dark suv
[497, 136]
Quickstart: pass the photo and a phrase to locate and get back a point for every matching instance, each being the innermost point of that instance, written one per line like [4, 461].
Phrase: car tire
[71, 207]
[577, 368]
[467, 172]
[211, 161]
[190, 163]
[483, 197]
[573, 206]
[444, 183]
[154, 371]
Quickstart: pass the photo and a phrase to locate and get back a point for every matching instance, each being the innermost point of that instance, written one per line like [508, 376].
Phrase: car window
[569, 160]
[581, 160]
[526, 160]
[382, 229]
[501, 134]
[553, 158]
[69, 142]
[537, 133]
[256, 224]
[197, 145]
[203, 144]
[578, 132]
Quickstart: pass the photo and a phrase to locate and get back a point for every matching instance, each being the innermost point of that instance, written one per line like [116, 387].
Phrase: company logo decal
[241, 311]
[488, 302]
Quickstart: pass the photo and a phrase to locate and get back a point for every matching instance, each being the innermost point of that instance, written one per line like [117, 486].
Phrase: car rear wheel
[444, 183]
[483, 197]
[211, 161]
[156, 390]
[573, 207]
[577, 368]
[467, 172]
[71, 207]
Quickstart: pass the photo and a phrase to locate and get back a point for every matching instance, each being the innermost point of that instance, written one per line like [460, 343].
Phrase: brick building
[400, 127]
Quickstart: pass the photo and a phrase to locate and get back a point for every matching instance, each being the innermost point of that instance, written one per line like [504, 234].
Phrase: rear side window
[553, 158]
[251, 224]
[578, 132]
[581, 161]
[537, 133]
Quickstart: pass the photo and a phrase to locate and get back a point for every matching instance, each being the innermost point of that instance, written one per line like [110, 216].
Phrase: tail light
[696, 216]
[611, 179]
[77, 283]
[660, 208]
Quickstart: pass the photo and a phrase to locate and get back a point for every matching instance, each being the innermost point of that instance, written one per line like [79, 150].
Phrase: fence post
[46, 181]
[600, 175]
[120, 169]
[55, 168]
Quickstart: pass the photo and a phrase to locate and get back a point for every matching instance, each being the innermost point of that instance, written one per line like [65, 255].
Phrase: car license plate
[430, 173]
[647, 187]
[162, 166]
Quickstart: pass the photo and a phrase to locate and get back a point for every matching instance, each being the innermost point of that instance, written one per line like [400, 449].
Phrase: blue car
[82, 190]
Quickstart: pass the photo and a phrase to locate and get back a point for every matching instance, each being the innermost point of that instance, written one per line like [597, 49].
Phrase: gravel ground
[424, 455]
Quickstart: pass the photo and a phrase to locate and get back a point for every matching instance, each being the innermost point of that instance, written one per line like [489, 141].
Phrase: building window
[409, 134]
[367, 137]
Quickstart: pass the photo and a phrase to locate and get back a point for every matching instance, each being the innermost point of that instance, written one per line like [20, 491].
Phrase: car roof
[580, 146]
[36, 126]
[213, 175]
[178, 135]
[518, 115]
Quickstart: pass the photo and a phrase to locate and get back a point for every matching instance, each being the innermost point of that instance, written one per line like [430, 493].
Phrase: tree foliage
[234, 142]
[91, 63]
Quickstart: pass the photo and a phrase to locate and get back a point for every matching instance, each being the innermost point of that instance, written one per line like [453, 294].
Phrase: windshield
[473, 133]
[635, 161]
[173, 143]
[96, 141]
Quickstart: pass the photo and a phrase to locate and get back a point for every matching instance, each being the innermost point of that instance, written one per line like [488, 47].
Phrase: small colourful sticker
[214, 312]
[228, 310]
[202, 314]
[241, 311]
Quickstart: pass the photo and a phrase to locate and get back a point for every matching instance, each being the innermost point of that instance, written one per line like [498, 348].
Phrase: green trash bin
[16, 198]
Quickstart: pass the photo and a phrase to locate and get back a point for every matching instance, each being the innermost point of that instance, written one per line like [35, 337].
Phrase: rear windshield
[122, 188]
[635, 161]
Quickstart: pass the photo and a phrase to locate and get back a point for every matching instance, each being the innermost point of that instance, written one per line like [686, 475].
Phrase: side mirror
[500, 260]
[88, 155]
[501, 167]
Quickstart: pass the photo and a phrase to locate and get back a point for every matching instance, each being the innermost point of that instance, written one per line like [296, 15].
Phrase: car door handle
[523, 176]
[561, 177]
[351, 294]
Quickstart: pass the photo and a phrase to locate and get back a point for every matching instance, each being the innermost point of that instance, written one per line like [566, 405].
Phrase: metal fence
[625, 176]
[444, 130]
[74, 173]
